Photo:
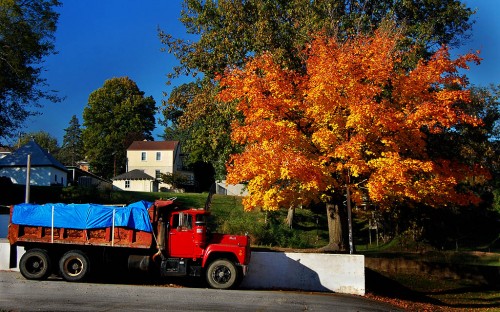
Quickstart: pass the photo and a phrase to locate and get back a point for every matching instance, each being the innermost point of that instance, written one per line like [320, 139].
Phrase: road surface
[19, 294]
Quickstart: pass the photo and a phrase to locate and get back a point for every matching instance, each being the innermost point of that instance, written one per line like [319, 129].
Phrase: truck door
[181, 235]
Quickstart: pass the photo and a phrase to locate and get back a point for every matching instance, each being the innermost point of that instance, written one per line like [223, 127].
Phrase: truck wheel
[222, 274]
[74, 266]
[35, 264]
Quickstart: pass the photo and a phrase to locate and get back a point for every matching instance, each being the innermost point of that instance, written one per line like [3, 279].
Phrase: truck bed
[113, 236]
[120, 237]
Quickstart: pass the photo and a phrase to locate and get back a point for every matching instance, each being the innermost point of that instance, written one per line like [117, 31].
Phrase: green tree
[201, 123]
[72, 146]
[488, 145]
[26, 38]
[117, 114]
[44, 139]
[179, 99]
[229, 32]
[175, 179]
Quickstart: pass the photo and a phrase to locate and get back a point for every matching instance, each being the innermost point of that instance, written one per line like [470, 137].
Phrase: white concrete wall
[307, 271]
[276, 270]
[5, 256]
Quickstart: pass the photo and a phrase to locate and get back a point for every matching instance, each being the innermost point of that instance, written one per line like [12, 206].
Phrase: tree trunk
[290, 216]
[337, 228]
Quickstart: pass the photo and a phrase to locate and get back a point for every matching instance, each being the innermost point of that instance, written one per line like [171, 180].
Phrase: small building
[135, 180]
[222, 188]
[45, 169]
[84, 178]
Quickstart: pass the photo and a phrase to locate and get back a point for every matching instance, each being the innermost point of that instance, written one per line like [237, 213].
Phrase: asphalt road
[19, 294]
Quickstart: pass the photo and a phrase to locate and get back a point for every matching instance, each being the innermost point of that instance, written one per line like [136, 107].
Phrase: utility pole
[349, 220]
[28, 178]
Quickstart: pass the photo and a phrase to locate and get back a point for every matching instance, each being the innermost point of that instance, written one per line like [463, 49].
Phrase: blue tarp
[83, 216]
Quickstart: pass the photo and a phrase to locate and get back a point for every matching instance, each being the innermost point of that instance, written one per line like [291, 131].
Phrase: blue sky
[98, 40]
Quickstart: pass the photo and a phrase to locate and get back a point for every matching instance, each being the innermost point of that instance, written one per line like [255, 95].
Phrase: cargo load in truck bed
[83, 216]
[86, 224]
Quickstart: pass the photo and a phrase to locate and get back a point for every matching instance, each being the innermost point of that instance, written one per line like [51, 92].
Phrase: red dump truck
[159, 238]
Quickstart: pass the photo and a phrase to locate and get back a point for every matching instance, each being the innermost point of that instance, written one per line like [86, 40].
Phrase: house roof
[135, 174]
[4, 149]
[39, 157]
[153, 146]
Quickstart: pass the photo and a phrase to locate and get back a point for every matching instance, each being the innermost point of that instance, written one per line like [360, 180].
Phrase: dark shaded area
[423, 228]
[383, 286]
[15, 194]
[109, 275]
[203, 175]
[5, 181]
[452, 265]
[465, 293]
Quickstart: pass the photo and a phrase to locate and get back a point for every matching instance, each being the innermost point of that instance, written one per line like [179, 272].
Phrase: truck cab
[187, 234]
[189, 249]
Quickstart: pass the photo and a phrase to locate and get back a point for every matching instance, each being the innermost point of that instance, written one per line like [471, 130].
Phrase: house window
[157, 174]
[55, 178]
[143, 156]
[158, 155]
[127, 184]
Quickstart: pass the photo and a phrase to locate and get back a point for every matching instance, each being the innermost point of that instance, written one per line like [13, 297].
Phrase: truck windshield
[182, 221]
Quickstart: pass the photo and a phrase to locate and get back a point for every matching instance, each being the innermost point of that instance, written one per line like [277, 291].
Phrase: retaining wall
[307, 271]
[275, 270]
[9, 256]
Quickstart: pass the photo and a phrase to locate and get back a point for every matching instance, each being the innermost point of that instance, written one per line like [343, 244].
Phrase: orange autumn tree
[355, 120]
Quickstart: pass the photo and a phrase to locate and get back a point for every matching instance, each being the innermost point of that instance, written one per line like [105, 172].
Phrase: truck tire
[222, 274]
[74, 266]
[35, 264]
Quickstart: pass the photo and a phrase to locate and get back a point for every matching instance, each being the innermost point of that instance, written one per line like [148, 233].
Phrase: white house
[146, 161]
[135, 180]
[45, 169]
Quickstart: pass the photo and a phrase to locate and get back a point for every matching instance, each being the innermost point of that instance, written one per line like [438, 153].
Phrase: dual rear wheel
[36, 264]
[74, 266]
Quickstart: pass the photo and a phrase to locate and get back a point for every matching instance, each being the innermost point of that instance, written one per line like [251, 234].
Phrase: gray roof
[39, 157]
[135, 174]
